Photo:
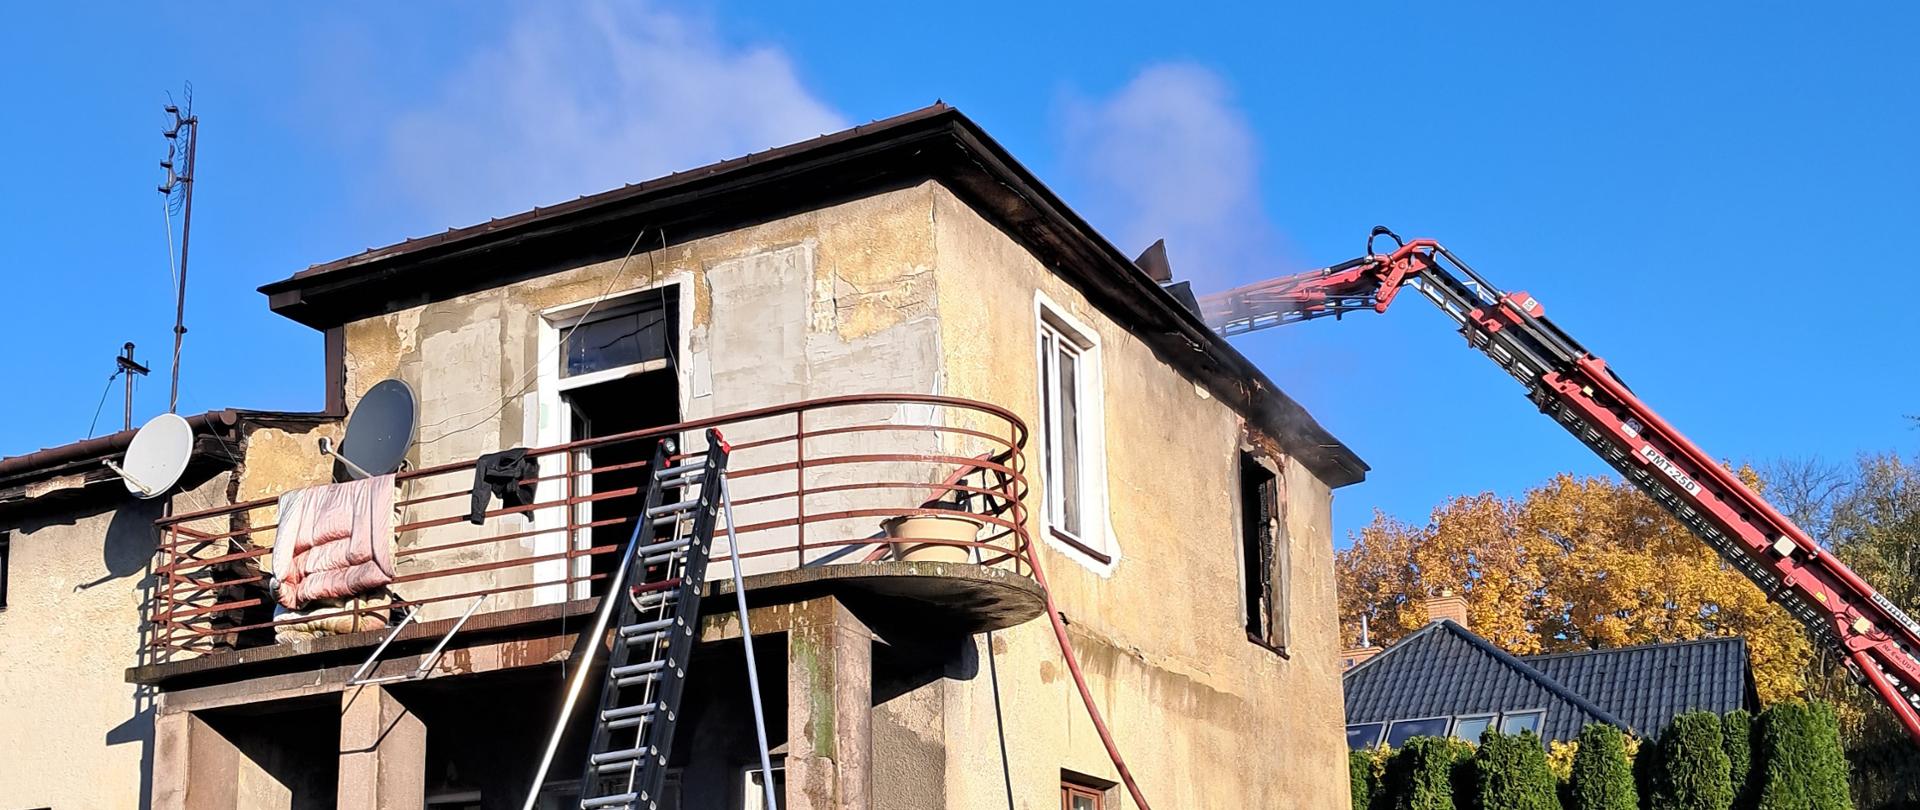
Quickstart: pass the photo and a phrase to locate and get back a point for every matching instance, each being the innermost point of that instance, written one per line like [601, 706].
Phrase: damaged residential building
[889, 324]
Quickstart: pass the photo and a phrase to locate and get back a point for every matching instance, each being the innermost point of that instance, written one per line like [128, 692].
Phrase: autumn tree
[1576, 563]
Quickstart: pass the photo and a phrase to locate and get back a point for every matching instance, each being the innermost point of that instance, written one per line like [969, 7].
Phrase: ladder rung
[632, 631]
[629, 722]
[643, 668]
[681, 473]
[673, 508]
[616, 800]
[625, 712]
[656, 559]
[678, 542]
[622, 755]
[648, 599]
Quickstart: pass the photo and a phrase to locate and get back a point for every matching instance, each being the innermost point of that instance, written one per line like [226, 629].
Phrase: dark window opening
[6, 559]
[610, 408]
[1262, 556]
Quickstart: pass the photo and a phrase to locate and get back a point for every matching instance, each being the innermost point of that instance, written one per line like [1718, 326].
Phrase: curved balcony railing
[840, 480]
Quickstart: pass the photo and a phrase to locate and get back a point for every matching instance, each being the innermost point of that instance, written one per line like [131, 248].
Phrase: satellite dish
[157, 456]
[379, 432]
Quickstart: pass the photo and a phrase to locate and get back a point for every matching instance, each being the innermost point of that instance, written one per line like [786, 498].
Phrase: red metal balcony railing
[821, 482]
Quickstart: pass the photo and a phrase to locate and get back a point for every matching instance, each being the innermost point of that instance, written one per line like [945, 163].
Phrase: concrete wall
[1206, 717]
[74, 732]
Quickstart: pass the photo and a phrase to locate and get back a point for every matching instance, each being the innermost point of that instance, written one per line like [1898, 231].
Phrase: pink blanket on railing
[334, 541]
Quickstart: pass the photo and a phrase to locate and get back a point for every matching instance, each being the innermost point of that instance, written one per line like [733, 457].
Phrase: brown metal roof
[936, 142]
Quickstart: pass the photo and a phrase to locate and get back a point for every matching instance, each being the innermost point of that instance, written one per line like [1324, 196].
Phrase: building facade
[891, 322]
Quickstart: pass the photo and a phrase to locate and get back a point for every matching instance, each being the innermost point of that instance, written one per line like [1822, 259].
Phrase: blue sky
[1713, 197]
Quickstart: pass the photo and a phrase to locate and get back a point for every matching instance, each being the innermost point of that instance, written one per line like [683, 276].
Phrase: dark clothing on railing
[502, 475]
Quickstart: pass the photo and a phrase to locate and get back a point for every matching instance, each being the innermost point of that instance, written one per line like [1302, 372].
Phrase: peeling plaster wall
[1206, 717]
[74, 733]
[828, 302]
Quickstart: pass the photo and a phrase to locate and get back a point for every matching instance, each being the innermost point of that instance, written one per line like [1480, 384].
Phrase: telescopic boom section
[1879, 642]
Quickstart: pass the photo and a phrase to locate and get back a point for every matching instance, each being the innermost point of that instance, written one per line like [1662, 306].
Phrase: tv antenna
[183, 135]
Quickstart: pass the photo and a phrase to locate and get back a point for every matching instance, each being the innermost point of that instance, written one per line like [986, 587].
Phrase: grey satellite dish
[157, 456]
[379, 432]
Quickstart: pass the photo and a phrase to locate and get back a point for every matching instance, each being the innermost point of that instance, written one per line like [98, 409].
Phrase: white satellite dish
[157, 456]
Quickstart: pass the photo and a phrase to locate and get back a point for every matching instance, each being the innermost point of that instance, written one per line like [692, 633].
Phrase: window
[1070, 427]
[1075, 797]
[1471, 727]
[1079, 791]
[1404, 730]
[6, 558]
[753, 790]
[1516, 722]
[1364, 735]
[1263, 555]
[630, 337]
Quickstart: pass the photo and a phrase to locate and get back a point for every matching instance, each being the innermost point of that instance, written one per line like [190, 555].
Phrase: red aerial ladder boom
[1879, 642]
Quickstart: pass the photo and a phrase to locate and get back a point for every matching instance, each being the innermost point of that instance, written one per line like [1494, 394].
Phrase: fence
[826, 481]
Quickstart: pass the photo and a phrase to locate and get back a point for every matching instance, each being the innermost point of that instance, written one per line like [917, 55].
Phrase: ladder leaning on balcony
[655, 595]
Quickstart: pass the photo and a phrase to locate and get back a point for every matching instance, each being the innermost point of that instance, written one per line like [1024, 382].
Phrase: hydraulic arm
[1879, 642]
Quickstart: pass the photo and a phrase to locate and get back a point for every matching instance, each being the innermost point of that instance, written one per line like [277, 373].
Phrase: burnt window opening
[1263, 558]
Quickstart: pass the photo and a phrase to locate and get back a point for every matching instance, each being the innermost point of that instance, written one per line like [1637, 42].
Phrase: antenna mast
[182, 136]
[124, 364]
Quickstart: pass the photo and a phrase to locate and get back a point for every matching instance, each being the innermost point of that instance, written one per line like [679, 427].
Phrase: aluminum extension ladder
[653, 601]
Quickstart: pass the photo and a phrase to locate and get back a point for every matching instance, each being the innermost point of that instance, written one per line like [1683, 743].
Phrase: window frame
[1379, 733]
[1446, 727]
[1274, 559]
[668, 302]
[1492, 718]
[1070, 791]
[1093, 544]
[1539, 721]
[548, 419]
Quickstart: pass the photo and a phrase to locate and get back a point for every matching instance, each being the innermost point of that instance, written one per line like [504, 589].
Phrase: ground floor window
[1076, 797]
[1079, 791]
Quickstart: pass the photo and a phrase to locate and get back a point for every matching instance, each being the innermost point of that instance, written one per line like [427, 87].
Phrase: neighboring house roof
[1444, 670]
[1648, 684]
[72, 469]
[936, 142]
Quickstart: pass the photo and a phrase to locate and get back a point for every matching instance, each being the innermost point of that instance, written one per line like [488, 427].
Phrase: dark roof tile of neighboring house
[1647, 685]
[1444, 670]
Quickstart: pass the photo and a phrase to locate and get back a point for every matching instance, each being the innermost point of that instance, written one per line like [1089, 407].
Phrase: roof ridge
[1637, 647]
[1512, 661]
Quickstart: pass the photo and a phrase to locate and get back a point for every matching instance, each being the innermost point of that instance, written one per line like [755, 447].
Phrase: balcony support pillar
[195, 767]
[383, 752]
[829, 708]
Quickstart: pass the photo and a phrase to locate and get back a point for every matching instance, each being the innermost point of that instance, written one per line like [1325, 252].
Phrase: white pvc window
[1062, 402]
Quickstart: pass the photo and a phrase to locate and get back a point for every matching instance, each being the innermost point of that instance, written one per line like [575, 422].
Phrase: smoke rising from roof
[1171, 155]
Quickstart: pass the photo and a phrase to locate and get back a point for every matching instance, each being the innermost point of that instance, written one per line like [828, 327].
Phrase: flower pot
[950, 528]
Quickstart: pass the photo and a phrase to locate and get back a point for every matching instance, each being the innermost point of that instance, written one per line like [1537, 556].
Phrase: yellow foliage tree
[1576, 563]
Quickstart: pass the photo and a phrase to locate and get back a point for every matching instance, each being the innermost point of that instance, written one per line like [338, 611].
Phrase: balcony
[822, 493]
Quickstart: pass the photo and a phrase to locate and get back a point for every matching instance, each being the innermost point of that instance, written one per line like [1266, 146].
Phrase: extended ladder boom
[1880, 642]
